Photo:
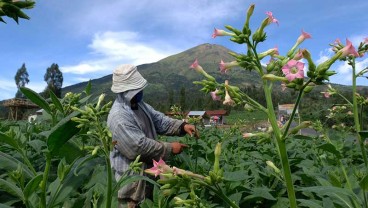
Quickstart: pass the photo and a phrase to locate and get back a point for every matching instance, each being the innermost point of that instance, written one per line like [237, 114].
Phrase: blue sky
[88, 39]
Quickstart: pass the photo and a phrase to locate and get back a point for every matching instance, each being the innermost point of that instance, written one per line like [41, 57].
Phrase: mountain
[172, 73]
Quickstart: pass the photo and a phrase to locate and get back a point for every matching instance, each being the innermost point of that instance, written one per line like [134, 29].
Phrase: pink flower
[214, 95]
[228, 100]
[225, 66]
[248, 135]
[271, 18]
[303, 36]
[293, 69]
[337, 41]
[299, 55]
[218, 32]
[326, 94]
[196, 66]
[349, 49]
[366, 40]
[158, 168]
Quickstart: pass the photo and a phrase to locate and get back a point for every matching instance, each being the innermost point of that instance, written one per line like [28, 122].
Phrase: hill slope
[171, 74]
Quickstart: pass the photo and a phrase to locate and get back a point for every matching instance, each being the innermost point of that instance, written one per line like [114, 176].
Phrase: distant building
[217, 117]
[17, 107]
[211, 117]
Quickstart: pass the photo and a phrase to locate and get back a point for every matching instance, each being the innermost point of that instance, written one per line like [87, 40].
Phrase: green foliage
[54, 79]
[13, 9]
[21, 79]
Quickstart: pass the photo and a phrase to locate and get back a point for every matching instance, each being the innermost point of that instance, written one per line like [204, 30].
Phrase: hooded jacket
[130, 139]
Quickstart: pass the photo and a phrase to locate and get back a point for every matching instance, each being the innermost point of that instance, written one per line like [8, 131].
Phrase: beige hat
[126, 77]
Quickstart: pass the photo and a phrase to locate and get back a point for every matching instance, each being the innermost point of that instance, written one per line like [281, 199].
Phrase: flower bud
[216, 165]
[273, 166]
[249, 14]
[273, 77]
[323, 67]
[95, 150]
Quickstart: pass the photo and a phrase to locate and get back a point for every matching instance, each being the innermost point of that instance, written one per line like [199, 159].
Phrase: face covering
[139, 96]
[135, 100]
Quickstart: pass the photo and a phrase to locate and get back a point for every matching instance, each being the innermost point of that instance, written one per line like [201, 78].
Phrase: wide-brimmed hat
[126, 77]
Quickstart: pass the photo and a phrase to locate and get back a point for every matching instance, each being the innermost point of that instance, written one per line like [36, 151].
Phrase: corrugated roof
[196, 113]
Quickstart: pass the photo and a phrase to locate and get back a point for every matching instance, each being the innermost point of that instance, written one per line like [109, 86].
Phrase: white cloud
[324, 55]
[9, 89]
[110, 49]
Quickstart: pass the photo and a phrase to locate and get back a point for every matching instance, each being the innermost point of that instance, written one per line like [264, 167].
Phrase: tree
[54, 80]
[21, 79]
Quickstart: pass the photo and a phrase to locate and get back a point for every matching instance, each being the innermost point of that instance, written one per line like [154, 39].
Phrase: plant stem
[281, 147]
[294, 109]
[44, 180]
[356, 115]
[280, 141]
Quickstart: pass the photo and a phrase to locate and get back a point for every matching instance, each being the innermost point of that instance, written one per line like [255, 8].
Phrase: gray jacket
[131, 140]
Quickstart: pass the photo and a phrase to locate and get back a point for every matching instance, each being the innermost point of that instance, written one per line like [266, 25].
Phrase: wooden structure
[15, 106]
[217, 117]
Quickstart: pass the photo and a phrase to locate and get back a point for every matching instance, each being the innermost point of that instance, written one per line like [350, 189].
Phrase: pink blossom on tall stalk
[271, 18]
[349, 49]
[158, 168]
[196, 66]
[293, 69]
[225, 66]
[326, 94]
[228, 100]
[302, 37]
[218, 32]
[299, 55]
[366, 40]
[214, 95]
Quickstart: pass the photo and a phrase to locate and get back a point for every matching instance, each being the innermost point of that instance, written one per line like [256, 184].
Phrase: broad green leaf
[70, 151]
[62, 132]
[259, 192]
[363, 134]
[364, 183]
[71, 182]
[124, 180]
[56, 102]
[11, 188]
[309, 203]
[5, 206]
[344, 196]
[36, 99]
[37, 144]
[303, 137]
[7, 140]
[85, 99]
[32, 186]
[239, 175]
[9, 163]
[87, 90]
[328, 147]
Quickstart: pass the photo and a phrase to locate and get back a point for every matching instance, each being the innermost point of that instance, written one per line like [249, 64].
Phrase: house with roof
[210, 117]
[217, 117]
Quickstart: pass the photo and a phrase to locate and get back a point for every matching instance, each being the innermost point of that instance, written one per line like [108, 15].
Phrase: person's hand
[191, 129]
[177, 147]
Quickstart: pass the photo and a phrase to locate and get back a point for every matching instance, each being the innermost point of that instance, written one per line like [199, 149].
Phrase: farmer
[134, 126]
